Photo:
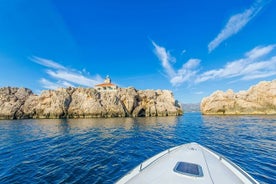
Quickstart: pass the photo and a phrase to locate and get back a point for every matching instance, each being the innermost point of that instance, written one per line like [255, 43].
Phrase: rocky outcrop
[87, 103]
[49, 104]
[19, 103]
[11, 101]
[156, 103]
[259, 99]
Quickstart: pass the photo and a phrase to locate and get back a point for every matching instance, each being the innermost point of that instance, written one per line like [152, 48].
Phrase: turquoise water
[103, 150]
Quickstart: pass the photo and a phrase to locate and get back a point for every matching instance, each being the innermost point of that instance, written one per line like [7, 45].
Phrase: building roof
[105, 85]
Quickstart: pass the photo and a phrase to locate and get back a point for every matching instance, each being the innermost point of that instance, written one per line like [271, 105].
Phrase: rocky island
[22, 103]
[259, 99]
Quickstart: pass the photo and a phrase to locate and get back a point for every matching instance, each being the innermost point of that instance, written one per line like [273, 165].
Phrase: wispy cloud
[177, 77]
[73, 77]
[165, 59]
[186, 72]
[199, 92]
[64, 77]
[183, 52]
[47, 63]
[259, 51]
[256, 64]
[54, 85]
[252, 66]
[236, 23]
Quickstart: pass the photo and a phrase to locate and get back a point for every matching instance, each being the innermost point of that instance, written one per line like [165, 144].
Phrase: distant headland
[105, 100]
[259, 99]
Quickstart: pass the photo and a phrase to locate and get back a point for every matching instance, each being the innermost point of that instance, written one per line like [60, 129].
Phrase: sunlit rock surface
[259, 99]
[12, 100]
[20, 103]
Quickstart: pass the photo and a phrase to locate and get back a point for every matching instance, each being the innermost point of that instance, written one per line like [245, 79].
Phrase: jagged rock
[11, 101]
[85, 103]
[88, 103]
[16, 103]
[112, 104]
[29, 107]
[49, 104]
[128, 98]
[259, 99]
[156, 103]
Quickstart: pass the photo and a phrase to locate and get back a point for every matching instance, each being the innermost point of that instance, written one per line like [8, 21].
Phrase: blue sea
[103, 150]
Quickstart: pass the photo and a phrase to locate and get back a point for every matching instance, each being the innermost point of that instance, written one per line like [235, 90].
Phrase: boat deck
[190, 164]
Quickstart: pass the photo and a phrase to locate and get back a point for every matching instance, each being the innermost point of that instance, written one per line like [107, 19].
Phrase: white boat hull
[188, 163]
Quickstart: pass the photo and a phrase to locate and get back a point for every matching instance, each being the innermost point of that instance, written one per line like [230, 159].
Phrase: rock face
[50, 104]
[20, 103]
[259, 99]
[12, 100]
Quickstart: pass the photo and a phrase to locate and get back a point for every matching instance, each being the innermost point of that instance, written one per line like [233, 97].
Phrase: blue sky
[190, 47]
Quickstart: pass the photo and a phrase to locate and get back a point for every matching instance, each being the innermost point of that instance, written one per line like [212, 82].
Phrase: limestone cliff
[12, 100]
[19, 103]
[259, 99]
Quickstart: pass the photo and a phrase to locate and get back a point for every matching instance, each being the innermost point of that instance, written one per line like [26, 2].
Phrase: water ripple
[103, 150]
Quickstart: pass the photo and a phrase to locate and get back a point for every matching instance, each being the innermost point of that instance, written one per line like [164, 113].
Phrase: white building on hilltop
[107, 85]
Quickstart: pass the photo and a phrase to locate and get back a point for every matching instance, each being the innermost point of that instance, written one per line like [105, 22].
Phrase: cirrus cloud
[251, 66]
[256, 64]
[177, 77]
[235, 24]
[64, 77]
